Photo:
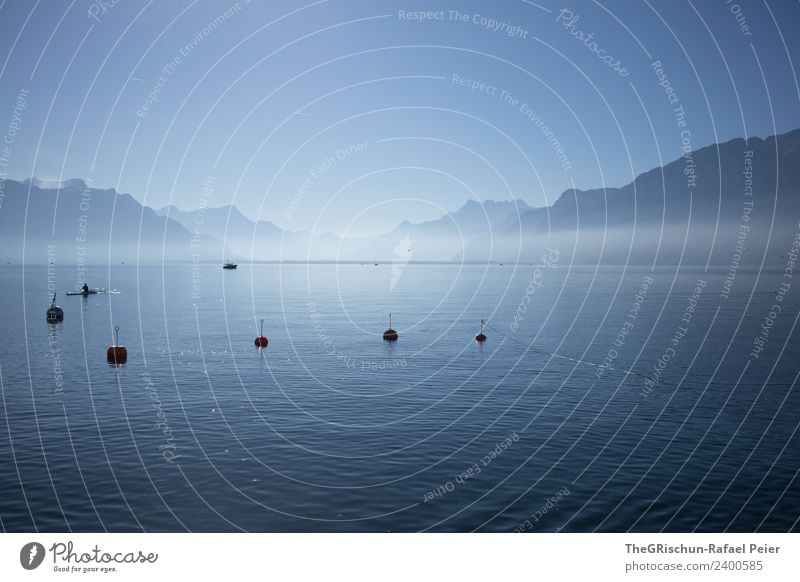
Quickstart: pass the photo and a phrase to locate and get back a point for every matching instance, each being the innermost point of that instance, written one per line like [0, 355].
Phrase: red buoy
[390, 335]
[480, 337]
[261, 341]
[117, 354]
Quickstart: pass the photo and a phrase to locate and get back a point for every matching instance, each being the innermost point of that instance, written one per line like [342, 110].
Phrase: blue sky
[352, 116]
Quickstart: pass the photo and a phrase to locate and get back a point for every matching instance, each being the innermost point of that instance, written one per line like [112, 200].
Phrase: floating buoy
[390, 335]
[54, 313]
[117, 354]
[480, 337]
[261, 340]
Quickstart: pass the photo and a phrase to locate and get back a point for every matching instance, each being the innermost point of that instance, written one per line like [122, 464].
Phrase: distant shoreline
[388, 263]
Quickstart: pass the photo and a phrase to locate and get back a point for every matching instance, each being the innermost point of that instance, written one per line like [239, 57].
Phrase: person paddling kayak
[84, 291]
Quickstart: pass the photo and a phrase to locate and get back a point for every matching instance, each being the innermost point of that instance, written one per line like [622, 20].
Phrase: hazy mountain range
[78, 224]
[697, 208]
[441, 239]
[703, 207]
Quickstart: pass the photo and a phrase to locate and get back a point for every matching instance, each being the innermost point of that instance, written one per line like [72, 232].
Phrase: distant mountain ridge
[444, 238]
[438, 239]
[666, 214]
[102, 225]
[688, 210]
[665, 193]
[77, 223]
[242, 236]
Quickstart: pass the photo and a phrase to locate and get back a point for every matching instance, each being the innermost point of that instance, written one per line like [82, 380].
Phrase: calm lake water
[332, 429]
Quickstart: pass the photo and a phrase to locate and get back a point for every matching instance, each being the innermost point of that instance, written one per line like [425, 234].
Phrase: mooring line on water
[576, 360]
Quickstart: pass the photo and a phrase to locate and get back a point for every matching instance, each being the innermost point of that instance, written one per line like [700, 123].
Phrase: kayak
[80, 292]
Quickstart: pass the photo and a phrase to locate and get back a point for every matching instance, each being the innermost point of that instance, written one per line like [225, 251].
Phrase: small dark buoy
[261, 340]
[54, 313]
[480, 337]
[117, 354]
[390, 335]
